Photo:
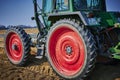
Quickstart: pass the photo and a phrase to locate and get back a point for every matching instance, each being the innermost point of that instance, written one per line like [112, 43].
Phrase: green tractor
[71, 34]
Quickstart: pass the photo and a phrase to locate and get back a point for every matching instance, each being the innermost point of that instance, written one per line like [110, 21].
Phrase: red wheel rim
[66, 50]
[14, 47]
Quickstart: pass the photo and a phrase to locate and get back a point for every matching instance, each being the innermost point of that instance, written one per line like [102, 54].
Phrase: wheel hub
[69, 50]
[14, 47]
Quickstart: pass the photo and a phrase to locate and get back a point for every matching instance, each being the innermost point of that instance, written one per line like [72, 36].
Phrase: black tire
[17, 46]
[89, 48]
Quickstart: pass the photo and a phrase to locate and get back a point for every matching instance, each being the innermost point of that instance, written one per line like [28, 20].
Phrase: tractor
[71, 35]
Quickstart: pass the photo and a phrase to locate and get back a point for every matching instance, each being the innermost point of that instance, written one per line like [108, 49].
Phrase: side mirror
[32, 18]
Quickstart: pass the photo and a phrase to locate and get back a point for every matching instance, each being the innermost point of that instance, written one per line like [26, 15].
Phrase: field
[36, 70]
[41, 70]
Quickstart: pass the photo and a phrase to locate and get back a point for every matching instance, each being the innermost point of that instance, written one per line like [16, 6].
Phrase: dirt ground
[36, 70]
[40, 69]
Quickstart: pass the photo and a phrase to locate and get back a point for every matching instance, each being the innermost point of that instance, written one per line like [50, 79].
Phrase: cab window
[62, 5]
[47, 6]
[87, 4]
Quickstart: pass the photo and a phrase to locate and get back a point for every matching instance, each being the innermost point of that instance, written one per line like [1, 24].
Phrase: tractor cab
[73, 5]
[91, 11]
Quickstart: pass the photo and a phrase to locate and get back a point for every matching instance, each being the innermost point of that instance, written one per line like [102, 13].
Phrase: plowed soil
[36, 70]
[41, 70]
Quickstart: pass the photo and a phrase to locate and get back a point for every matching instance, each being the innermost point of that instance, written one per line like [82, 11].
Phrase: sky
[19, 12]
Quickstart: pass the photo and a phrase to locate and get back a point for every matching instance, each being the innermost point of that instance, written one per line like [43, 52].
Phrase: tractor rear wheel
[17, 46]
[70, 49]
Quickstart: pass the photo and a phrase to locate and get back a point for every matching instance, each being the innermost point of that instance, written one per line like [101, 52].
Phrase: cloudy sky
[17, 12]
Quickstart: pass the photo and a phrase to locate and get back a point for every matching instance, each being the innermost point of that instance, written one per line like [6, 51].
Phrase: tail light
[90, 15]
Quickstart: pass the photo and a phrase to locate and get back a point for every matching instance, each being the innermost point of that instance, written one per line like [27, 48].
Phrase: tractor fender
[73, 15]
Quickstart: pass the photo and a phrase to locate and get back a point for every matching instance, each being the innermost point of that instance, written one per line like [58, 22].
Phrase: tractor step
[40, 51]
[39, 57]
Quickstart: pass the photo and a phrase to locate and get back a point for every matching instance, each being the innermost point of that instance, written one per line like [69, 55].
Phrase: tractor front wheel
[70, 49]
[17, 46]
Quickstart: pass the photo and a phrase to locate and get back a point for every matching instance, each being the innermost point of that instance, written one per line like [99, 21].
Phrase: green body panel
[116, 51]
[108, 19]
